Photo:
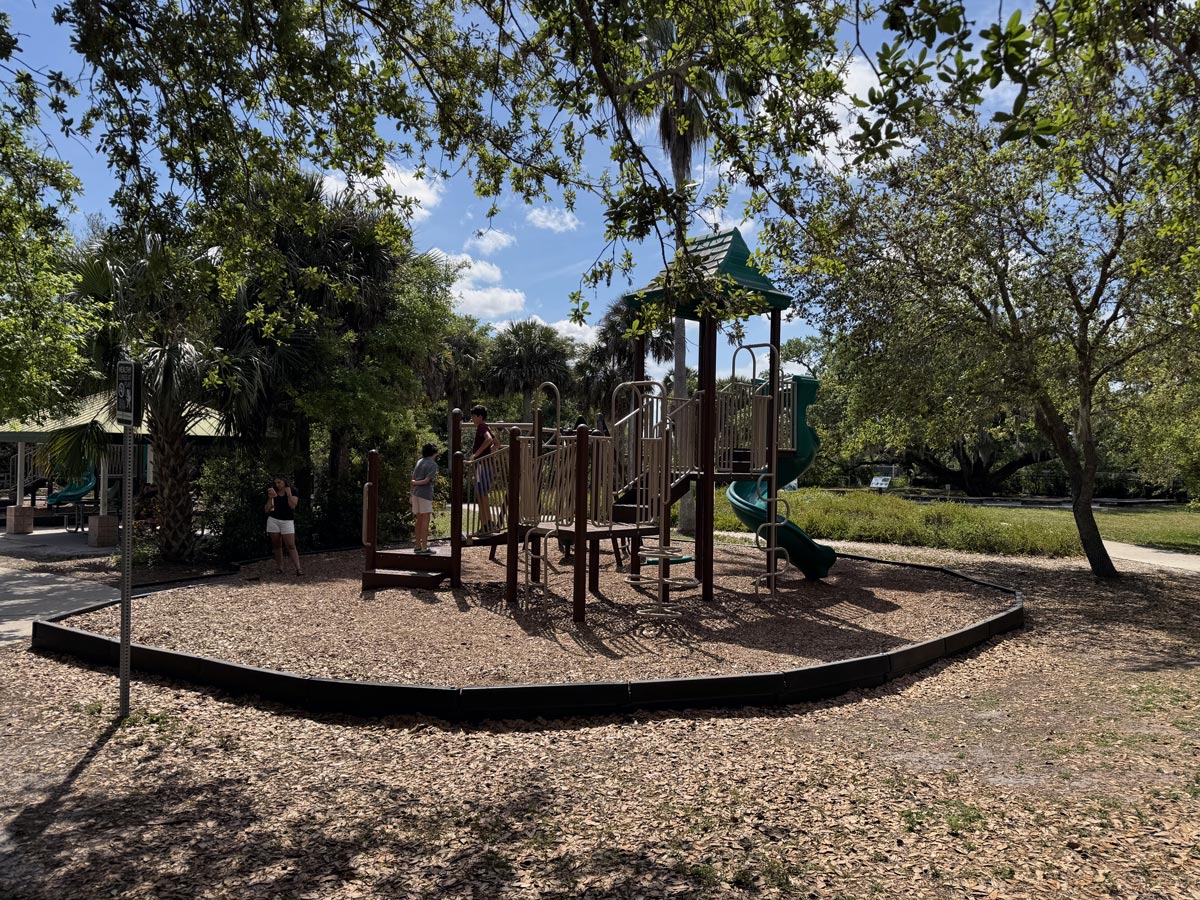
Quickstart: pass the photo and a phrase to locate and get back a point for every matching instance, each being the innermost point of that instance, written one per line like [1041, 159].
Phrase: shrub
[233, 485]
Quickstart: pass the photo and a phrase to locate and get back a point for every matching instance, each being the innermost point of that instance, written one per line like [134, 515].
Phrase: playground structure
[589, 488]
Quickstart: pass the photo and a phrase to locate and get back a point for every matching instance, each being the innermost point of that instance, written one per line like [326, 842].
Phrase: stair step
[438, 561]
[379, 578]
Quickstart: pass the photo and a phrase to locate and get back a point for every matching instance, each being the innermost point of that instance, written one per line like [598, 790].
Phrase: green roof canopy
[99, 408]
[723, 256]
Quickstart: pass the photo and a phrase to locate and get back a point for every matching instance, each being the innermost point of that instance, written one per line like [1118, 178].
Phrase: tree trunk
[526, 404]
[339, 455]
[304, 473]
[1079, 461]
[1089, 532]
[175, 504]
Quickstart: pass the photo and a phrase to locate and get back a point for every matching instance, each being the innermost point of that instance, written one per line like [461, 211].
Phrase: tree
[355, 372]
[921, 397]
[1051, 264]
[160, 293]
[525, 354]
[41, 335]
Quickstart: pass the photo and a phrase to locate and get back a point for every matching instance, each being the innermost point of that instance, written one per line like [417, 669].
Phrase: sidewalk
[25, 596]
[1167, 559]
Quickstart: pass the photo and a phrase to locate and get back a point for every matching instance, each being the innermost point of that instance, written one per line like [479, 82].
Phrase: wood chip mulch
[323, 625]
[1060, 762]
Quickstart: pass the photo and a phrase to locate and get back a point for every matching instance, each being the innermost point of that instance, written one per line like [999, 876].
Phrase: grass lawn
[881, 518]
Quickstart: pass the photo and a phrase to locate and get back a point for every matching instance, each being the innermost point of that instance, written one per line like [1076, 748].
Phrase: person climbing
[485, 445]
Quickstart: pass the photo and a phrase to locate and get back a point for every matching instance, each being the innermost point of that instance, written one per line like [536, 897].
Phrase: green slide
[811, 558]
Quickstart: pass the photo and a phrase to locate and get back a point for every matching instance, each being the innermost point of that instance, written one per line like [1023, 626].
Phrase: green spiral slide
[811, 558]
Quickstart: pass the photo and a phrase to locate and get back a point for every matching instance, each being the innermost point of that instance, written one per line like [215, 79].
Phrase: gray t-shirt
[426, 467]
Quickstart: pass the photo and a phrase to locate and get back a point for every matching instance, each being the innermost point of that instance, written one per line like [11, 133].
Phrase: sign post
[129, 414]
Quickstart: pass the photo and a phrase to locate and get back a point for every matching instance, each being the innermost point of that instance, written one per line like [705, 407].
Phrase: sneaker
[423, 551]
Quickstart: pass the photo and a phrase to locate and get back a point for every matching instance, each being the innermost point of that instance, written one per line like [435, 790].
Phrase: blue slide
[811, 558]
[74, 493]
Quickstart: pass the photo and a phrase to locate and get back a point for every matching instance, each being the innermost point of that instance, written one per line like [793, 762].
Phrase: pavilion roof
[723, 256]
[100, 408]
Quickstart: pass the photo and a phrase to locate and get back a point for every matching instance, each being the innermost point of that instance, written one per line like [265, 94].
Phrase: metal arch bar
[754, 359]
[557, 404]
[635, 385]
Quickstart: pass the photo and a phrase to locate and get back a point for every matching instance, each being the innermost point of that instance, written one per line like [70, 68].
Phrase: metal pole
[126, 574]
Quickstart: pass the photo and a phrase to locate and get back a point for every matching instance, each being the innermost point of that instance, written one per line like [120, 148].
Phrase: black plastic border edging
[531, 701]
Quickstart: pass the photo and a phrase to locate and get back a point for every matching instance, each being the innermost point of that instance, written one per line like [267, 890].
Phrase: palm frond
[71, 451]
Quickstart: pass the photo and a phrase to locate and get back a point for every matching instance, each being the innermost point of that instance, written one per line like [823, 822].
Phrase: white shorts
[280, 526]
[420, 505]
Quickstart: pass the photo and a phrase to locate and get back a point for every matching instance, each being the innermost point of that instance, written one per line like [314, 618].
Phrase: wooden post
[581, 523]
[535, 544]
[773, 416]
[708, 450]
[20, 473]
[104, 480]
[456, 498]
[372, 536]
[594, 566]
[514, 514]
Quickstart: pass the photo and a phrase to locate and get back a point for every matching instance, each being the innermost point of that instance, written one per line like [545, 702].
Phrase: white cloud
[425, 193]
[553, 219]
[488, 242]
[580, 334]
[478, 290]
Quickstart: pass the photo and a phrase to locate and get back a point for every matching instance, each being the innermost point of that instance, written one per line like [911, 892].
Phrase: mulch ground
[323, 624]
[1062, 761]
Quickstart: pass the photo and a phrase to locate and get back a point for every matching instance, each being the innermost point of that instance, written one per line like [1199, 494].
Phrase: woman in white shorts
[421, 493]
[281, 523]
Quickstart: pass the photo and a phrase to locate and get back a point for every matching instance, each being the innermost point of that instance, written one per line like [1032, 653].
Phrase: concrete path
[1167, 559]
[50, 543]
[25, 596]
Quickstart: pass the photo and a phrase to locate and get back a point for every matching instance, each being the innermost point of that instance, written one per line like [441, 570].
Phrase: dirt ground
[323, 624]
[1060, 761]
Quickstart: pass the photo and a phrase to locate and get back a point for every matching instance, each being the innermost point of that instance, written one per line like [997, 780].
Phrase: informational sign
[129, 393]
[881, 482]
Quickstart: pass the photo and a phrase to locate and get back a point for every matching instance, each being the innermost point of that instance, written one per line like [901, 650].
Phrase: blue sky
[524, 262]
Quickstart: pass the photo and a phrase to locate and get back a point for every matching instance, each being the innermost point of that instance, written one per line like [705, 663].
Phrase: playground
[561, 569]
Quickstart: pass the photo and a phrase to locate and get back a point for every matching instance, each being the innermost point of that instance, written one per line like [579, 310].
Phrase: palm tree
[681, 116]
[158, 297]
[524, 355]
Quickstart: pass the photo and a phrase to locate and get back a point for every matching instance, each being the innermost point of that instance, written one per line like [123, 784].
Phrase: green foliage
[525, 354]
[41, 335]
[972, 293]
[233, 490]
[886, 519]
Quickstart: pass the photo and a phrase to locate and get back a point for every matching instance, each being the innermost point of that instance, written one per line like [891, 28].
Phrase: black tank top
[283, 509]
[481, 434]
